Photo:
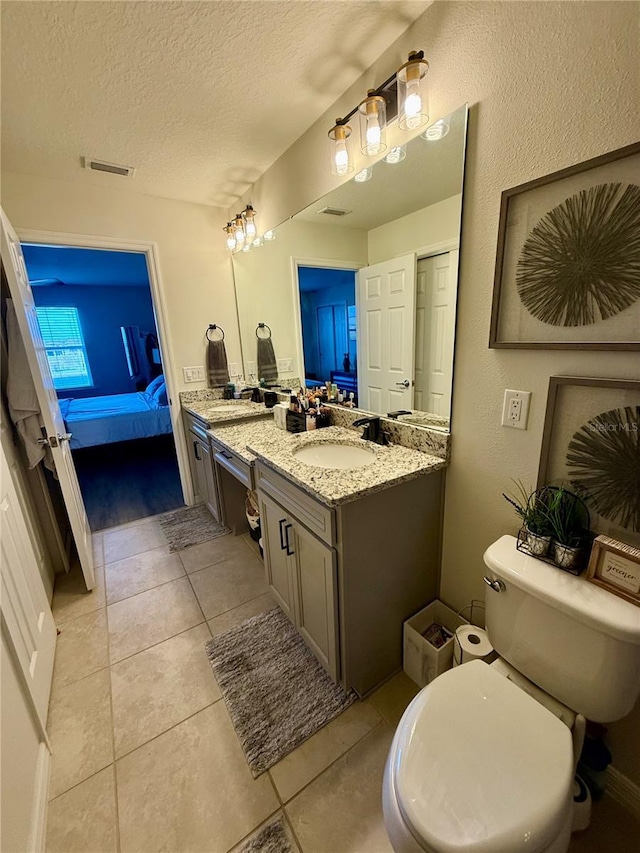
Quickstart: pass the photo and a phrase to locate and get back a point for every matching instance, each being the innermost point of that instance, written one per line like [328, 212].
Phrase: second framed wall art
[568, 258]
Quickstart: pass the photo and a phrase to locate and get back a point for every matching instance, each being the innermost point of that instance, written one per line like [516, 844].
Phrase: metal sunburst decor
[581, 261]
[603, 462]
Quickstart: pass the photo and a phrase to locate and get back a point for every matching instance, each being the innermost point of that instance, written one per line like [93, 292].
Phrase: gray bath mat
[276, 691]
[190, 525]
[270, 839]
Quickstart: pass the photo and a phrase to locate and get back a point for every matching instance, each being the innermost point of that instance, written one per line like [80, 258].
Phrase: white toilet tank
[573, 639]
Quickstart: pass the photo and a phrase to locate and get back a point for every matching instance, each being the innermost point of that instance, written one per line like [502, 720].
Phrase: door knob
[66, 436]
[404, 384]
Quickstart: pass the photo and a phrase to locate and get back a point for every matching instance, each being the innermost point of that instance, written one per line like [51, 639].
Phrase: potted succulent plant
[535, 522]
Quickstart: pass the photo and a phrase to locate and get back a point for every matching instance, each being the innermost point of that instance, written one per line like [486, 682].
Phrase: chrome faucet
[372, 430]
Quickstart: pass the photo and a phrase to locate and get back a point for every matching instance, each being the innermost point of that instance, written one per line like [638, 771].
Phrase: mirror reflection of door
[327, 307]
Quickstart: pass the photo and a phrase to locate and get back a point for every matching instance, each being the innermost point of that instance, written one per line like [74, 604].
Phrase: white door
[435, 322]
[25, 608]
[386, 295]
[22, 296]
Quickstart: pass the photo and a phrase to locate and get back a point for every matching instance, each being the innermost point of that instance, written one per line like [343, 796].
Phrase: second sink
[338, 456]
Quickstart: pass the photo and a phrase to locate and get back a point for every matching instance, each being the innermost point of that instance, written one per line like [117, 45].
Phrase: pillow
[160, 395]
[155, 384]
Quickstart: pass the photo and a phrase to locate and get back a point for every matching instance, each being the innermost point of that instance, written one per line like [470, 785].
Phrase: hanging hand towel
[217, 365]
[21, 393]
[267, 367]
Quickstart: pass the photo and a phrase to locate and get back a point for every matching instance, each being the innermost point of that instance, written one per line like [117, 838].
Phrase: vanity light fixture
[363, 175]
[248, 216]
[238, 230]
[396, 154]
[438, 130]
[373, 123]
[257, 243]
[402, 96]
[412, 92]
[231, 237]
[340, 145]
[269, 236]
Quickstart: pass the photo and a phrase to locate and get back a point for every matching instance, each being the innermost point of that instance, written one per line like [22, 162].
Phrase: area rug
[270, 839]
[276, 691]
[190, 525]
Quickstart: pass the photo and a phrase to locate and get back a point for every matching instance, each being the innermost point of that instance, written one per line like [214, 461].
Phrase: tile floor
[144, 754]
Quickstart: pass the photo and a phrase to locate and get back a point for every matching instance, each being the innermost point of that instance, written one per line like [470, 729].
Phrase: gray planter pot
[566, 556]
[537, 545]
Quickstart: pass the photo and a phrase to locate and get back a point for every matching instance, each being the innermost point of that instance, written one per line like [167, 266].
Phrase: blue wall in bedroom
[319, 287]
[102, 310]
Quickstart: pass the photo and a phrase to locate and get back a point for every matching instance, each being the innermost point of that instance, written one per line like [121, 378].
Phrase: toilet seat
[480, 766]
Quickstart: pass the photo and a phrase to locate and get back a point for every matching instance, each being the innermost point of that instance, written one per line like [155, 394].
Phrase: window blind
[64, 345]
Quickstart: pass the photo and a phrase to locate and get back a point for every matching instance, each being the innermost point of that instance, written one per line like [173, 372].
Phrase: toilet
[483, 760]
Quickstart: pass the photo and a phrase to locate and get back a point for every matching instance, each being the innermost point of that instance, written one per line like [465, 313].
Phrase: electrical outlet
[285, 365]
[193, 374]
[234, 369]
[515, 409]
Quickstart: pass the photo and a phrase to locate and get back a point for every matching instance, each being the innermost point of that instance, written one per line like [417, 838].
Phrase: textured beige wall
[549, 84]
[195, 269]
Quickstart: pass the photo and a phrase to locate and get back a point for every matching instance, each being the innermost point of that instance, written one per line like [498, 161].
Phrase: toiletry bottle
[334, 391]
[352, 399]
[311, 419]
[340, 397]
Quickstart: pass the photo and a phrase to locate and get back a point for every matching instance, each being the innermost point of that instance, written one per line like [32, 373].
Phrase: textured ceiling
[201, 97]
[85, 266]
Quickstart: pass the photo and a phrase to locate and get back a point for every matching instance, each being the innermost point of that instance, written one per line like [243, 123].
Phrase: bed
[118, 417]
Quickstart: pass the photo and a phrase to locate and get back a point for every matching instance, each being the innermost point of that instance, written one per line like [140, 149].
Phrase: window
[64, 344]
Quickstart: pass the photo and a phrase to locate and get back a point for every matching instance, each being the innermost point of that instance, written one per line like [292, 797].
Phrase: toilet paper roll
[471, 643]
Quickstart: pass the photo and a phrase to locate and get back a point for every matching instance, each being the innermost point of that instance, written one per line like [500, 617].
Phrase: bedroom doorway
[98, 319]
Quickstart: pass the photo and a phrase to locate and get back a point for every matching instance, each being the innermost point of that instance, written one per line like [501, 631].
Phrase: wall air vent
[111, 168]
[334, 211]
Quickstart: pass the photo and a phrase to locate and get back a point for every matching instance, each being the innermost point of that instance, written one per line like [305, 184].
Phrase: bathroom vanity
[350, 553]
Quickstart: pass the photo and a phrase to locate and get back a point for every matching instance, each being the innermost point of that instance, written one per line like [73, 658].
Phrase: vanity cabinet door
[276, 533]
[209, 494]
[316, 599]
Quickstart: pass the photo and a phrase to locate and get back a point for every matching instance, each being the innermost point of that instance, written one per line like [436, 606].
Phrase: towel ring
[263, 326]
[212, 327]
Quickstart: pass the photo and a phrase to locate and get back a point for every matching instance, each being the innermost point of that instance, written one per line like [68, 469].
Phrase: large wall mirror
[360, 287]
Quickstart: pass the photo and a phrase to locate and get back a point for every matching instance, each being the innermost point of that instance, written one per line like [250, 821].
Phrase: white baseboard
[40, 800]
[622, 789]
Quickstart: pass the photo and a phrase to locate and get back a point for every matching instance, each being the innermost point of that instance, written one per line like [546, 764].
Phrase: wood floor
[129, 480]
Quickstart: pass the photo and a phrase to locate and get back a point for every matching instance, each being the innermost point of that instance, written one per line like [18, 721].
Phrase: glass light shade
[257, 243]
[238, 230]
[246, 247]
[396, 154]
[269, 236]
[231, 238]
[373, 124]
[248, 214]
[340, 148]
[363, 176]
[436, 131]
[412, 93]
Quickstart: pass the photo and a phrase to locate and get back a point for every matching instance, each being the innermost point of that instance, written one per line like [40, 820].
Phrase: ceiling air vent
[111, 168]
[334, 211]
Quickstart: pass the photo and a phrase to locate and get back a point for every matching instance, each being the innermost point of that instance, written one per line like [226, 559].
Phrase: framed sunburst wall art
[591, 445]
[568, 259]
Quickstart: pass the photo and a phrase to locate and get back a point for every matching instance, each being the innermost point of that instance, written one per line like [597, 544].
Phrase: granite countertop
[235, 437]
[394, 464]
[212, 411]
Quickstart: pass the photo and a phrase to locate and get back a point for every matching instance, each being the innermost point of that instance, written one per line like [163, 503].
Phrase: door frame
[321, 263]
[150, 250]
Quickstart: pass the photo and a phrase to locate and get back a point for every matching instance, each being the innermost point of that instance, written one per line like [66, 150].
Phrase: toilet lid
[480, 766]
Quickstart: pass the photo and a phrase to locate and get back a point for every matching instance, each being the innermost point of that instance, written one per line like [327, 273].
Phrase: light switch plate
[252, 368]
[285, 365]
[193, 374]
[515, 409]
[233, 369]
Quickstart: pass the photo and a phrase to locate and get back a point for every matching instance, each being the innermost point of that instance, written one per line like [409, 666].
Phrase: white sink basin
[339, 456]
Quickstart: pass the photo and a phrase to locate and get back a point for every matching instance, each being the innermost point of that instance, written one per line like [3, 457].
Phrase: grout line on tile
[142, 591]
[382, 722]
[255, 829]
[113, 746]
[77, 784]
[231, 609]
[284, 812]
[159, 643]
[148, 551]
[160, 734]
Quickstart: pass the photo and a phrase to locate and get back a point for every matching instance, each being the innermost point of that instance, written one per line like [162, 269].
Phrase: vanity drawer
[196, 426]
[236, 466]
[315, 516]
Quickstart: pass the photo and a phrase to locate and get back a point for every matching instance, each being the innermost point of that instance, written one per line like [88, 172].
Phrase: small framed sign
[615, 567]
